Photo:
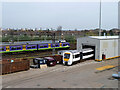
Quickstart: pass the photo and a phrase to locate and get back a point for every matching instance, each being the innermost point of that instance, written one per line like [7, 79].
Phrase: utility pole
[100, 20]
[59, 29]
[53, 43]
[119, 15]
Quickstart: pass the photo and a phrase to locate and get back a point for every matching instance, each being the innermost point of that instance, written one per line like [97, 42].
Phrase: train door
[60, 44]
[7, 48]
[49, 45]
[24, 47]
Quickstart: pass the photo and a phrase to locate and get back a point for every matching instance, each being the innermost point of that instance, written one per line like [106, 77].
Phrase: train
[71, 56]
[33, 47]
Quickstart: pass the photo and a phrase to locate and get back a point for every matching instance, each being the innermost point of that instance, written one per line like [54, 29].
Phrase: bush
[70, 39]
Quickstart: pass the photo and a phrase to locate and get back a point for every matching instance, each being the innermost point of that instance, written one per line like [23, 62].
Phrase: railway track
[32, 54]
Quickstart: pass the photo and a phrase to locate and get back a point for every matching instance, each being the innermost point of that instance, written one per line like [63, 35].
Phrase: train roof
[75, 51]
[72, 51]
[26, 42]
[62, 50]
[86, 49]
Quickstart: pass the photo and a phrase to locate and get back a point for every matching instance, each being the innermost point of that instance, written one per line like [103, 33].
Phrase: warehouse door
[84, 46]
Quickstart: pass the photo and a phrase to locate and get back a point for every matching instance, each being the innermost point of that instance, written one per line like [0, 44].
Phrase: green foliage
[6, 39]
[104, 31]
[70, 38]
[24, 38]
[16, 38]
[111, 33]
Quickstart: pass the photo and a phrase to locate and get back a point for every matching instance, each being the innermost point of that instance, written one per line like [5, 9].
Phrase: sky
[119, 15]
[69, 15]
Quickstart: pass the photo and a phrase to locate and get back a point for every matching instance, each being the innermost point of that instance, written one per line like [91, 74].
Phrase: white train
[71, 56]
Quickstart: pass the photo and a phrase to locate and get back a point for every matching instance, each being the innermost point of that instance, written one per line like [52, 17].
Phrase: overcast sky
[70, 15]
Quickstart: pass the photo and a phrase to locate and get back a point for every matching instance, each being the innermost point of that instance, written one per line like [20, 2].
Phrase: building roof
[104, 37]
[26, 42]
[72, 51]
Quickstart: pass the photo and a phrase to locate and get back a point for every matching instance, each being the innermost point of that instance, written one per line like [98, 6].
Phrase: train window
[60, 53]
[67, 44]
[64, 44]
[1, 49]
[45, 46]
[13, 48]
[57, 45]
[67, 56]
[77, 56]
[18, 48]
[33, 46]
[52, 45]
[29, 47]
[41, 46]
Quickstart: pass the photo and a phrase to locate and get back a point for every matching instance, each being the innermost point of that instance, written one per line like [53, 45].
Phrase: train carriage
[43, 46]
[31, 47]
[87, 53]
[2, 48]
[15, 48]
[71, 56]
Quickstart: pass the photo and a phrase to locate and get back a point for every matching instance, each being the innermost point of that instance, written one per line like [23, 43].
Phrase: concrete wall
[109, 48]
[89, 41]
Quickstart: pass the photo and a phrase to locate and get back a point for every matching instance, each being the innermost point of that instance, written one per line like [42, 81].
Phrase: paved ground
[80, 75]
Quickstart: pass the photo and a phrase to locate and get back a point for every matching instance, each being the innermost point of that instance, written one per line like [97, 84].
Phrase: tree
[104, 32]
[111, 33]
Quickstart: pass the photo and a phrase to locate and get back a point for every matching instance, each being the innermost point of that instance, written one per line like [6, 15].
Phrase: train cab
[71, 56]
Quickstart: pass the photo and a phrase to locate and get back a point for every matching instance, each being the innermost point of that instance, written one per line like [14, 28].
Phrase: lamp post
[53, 43]
[100, 20]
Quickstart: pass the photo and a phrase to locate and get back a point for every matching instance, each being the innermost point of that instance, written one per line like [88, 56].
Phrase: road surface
[86, 74]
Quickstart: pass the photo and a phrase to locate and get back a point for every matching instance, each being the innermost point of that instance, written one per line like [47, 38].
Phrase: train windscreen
[66, 56]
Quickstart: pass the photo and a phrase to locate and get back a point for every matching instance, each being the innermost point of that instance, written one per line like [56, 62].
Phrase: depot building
[105, 47]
